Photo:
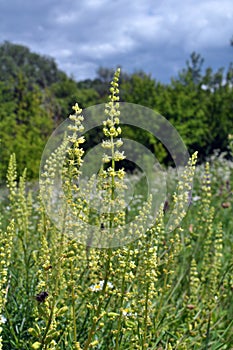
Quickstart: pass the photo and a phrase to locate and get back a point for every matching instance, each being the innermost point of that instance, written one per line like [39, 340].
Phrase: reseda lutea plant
[98, 227]
[91, 287]
[101, 191]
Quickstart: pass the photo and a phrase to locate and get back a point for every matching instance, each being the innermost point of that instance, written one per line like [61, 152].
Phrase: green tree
[139, 88]
[185, 106]
[66, 93]
[219, 107]
[25, 126]
[38, 69]
[193, 71]
[201, 106]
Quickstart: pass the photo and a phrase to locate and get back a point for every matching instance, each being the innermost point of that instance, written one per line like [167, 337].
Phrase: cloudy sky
[156, 36]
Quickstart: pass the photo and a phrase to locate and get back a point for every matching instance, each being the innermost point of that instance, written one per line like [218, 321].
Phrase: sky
[156, 36]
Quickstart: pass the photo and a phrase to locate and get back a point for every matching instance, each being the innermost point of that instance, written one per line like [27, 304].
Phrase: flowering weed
[170, 288]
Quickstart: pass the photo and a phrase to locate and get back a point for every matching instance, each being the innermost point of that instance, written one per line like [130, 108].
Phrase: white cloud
[64, 53]
[65, 18]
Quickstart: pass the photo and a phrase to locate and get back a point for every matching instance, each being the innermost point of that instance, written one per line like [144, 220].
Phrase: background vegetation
[35, 96]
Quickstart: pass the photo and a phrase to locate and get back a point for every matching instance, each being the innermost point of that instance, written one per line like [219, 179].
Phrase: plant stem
[73, 303]
[58, 271]
[97, 315]
[145, 317]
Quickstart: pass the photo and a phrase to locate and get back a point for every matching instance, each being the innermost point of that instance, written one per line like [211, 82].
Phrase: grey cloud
[154, 36]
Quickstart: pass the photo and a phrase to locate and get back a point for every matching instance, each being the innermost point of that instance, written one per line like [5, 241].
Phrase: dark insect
[226, 205]
[41, 297]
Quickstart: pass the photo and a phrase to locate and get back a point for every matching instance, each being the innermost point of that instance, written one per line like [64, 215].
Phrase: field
[164, 291]
[110, 280]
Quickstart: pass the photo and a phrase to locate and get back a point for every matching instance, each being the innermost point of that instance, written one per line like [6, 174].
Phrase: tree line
[36, 96]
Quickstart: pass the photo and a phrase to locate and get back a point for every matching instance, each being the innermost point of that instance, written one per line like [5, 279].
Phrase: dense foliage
[190, 306]
[35, 96]
[165, 289]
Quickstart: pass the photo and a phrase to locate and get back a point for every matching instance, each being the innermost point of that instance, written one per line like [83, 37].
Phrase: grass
[163, 291]
[77, 272]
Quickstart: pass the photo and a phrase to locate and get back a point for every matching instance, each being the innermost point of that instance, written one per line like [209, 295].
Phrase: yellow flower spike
[77, 109]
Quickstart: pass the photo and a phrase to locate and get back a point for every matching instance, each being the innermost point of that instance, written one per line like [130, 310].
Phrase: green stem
[164, 289]
[121, 304]
[58, 270]
[145, 318]
[11, 326]
[73, 304]
[101, 299]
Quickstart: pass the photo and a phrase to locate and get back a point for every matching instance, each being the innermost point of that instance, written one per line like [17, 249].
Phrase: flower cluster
[75, 153]
[99, 286]
[182, 197]
[112, 130]
[6, 240]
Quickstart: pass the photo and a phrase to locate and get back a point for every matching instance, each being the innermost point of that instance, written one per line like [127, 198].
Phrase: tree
[186, 106]
[25, 126]
[66, 93]
[219, 108]
[193, 70]
[38, 69]
[139, 88]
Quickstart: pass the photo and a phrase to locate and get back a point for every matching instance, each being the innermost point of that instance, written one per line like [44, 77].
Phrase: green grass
[163, 291]
[65, 285]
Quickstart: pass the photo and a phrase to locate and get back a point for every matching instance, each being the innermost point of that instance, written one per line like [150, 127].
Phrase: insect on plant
[41, 297]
